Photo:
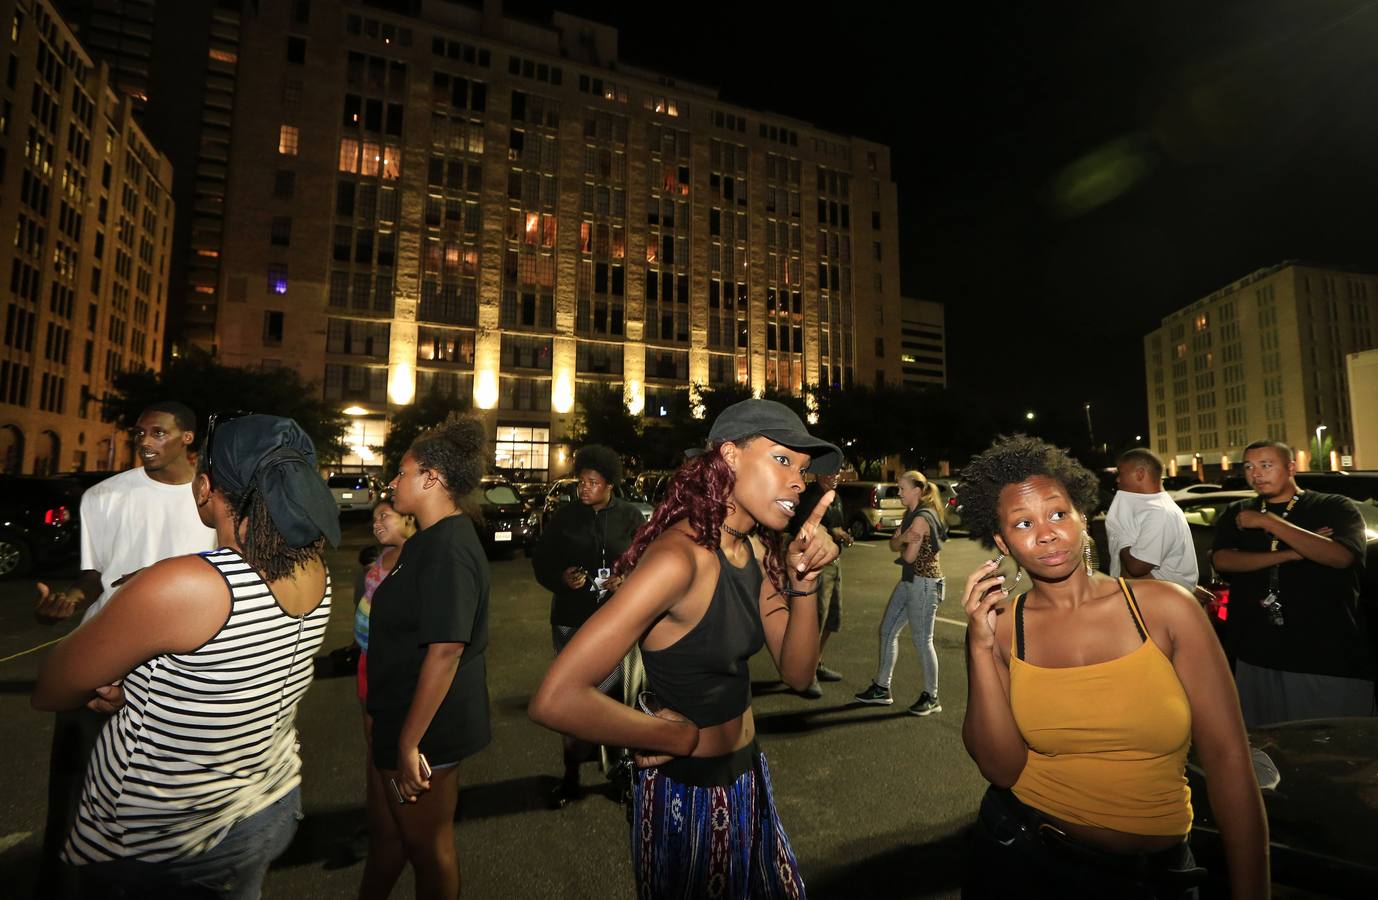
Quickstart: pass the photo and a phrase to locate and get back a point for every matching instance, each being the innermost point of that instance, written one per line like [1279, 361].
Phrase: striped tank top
[205, 739]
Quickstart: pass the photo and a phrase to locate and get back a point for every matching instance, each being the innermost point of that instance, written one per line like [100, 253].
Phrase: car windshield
[349, 482]
[500, 494]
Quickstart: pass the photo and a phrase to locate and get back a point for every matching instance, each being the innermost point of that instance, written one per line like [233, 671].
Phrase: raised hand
[985, 588]
[812, 547]
[54, 606]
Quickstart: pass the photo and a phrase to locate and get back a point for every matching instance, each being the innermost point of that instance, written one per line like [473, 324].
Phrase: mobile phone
[425, 767]
[425, 773]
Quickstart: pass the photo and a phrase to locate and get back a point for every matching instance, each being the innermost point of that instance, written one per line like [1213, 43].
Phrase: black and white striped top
[205, 739]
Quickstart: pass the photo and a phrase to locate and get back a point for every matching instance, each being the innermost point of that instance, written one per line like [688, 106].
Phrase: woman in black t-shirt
[428, 692]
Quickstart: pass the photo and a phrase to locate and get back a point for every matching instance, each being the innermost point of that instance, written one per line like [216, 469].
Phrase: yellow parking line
[30, 650]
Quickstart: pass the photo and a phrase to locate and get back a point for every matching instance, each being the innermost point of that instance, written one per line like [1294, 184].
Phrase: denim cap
[272, 455]
[777, 422]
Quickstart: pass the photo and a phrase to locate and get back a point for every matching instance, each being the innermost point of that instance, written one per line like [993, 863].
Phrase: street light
[1090, 432]
[1029, 415]
[1316, 460]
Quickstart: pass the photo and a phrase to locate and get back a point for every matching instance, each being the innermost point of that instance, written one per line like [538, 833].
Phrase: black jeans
[1016, 853]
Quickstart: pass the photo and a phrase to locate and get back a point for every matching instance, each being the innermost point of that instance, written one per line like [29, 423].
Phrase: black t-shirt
[577, 535]
[437, 593]
[1320, 634]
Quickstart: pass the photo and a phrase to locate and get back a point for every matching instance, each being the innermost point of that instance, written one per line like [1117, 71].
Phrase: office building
[1262, 358]
[86, 197]
[456, 201]
[923, 344]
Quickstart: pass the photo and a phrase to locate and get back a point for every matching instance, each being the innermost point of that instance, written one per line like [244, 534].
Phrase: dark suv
[502, 519]
[38, 523]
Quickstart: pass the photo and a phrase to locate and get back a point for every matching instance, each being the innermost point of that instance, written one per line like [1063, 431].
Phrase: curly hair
[601, 459]
[457, 449]
[1011, 460]
[699, 491]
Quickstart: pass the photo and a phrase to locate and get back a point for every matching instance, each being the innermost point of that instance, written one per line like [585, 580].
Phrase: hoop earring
[1018, 575]
[1086, 552]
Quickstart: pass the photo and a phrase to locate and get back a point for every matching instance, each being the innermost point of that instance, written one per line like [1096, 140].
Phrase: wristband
[791, 592]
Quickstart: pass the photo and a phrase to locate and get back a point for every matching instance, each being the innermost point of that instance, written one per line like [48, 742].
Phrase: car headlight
[532, 520]
[1370, 534]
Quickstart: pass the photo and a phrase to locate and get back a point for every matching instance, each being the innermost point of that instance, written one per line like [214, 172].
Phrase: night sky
[1068, 173]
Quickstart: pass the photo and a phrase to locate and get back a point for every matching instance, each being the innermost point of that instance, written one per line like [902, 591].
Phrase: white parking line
[952, 622]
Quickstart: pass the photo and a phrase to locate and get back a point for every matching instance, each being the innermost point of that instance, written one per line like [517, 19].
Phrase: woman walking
[702, 594]
[573, 560]
[916, 597]
[1085, 694]
[194, 787]
[427, 677]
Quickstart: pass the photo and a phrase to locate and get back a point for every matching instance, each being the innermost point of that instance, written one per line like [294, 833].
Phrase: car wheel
[860, 529]
[16, 560]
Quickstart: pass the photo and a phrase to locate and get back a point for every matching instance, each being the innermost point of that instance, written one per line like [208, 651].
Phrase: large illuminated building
[451, 200]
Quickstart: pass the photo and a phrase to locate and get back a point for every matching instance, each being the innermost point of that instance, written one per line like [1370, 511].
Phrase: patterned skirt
[691, 841]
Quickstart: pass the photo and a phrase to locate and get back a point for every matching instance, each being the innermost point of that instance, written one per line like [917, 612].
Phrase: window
[287, 140]
[284, 183]
[282, 231]
[875, 250]
[875, 221]
[296, 50]
[272, 328]
[277, 278]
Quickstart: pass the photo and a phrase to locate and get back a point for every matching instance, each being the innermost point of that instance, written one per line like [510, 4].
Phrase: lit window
[224, 56]
[373, 158]
[287, 140]
[392, 162]
[349, 155]
[277, 279]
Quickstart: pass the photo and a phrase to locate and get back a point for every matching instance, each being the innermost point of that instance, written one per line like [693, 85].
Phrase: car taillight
[58, 515]
[952, 501]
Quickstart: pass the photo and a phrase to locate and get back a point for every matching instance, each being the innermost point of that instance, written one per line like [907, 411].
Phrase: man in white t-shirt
[1147, 531]
[128, 521]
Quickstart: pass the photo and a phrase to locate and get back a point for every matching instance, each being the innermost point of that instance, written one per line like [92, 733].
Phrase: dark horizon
[1070, 175]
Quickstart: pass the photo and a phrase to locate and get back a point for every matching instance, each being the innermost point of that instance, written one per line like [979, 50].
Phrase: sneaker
[926, 705]
[826, 674]
[875, 695]
[812, 692]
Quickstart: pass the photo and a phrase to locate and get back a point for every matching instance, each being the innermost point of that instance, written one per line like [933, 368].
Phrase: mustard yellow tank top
[1107, 742]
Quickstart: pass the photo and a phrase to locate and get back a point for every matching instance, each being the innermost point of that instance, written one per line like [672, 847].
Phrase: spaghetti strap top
[1108, 741]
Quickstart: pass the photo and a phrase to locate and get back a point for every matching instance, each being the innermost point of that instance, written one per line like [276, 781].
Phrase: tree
[409, 421]
[602, 417]
[205, 385]
[1320, 452]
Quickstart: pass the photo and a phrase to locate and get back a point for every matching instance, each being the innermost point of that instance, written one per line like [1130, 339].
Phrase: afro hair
[1011, 460]
[601, 459]
[456, 448]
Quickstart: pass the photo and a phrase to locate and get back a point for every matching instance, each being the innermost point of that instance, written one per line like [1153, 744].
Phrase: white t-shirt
[1155, 530]
[129, 521]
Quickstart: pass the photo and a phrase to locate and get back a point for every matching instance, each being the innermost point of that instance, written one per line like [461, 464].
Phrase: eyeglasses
[217, 418]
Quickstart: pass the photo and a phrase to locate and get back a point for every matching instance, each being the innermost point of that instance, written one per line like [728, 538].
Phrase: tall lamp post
[1090, 432]
[1316, 459]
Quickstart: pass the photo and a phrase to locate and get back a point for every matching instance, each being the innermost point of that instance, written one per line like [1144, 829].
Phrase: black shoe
[826, 674]
[812, 692]
[565, 793]
[875, 695]
[926, 705]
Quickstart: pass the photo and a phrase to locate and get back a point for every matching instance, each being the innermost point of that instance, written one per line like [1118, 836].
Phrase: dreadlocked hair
[1012, 460]
[701, 491]
[263, 546]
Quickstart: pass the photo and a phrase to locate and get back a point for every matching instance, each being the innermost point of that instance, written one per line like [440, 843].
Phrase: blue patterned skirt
[719, 837]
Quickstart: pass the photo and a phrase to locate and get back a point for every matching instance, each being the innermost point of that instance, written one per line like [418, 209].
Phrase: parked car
[652, 484]
[1199, 487]
[562, 492]
[85, 479]
[38, 523]
[948, 490]
[870, 507]
[1317, 779]
[502, 519]
[355, 491]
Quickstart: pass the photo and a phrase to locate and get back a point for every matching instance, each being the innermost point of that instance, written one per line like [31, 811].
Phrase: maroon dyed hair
[699, 491]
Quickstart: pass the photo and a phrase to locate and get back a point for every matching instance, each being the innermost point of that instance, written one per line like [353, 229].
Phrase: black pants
[1014, 853]
[74, 737]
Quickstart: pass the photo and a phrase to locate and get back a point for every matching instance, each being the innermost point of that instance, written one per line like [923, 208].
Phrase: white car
[355, 491]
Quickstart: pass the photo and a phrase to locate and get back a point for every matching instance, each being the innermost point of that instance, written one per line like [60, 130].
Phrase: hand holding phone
[397, 789]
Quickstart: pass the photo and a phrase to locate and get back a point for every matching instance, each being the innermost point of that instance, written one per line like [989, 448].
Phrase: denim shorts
[231, 870]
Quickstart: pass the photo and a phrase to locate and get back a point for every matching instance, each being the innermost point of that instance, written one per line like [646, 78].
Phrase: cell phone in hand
[425, 773]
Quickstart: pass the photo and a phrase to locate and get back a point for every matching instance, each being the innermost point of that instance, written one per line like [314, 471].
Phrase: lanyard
[1274, 573]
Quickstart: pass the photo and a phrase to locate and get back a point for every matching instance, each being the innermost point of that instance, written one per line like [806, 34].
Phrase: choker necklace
[739, 535]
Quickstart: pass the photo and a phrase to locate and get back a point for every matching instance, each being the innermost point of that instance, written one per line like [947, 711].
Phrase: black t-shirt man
[1320, 633]
[437, 593]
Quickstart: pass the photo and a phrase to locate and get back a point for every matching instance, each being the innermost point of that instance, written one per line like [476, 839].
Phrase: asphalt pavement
[875, 801]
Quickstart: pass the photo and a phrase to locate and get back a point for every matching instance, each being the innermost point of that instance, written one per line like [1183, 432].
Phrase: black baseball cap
[777, 422]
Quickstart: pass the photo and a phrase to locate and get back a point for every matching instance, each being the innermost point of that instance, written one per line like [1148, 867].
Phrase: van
[870, 507]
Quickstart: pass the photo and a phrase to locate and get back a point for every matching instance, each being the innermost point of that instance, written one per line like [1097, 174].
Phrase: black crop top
[704, 674]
